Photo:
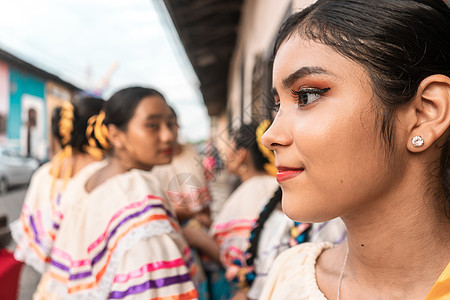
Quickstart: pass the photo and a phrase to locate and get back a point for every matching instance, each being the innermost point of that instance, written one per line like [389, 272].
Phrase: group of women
[360, 136]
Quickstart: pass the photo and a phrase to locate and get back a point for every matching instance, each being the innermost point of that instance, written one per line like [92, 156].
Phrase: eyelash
[307, 91]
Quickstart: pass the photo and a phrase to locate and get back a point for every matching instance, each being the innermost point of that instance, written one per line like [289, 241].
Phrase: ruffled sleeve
[153, 269]
[293, 274]
[34, 231]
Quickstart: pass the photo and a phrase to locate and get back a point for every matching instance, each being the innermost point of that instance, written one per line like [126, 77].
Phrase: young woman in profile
[362, 132]
[34, 232]
[119, 238]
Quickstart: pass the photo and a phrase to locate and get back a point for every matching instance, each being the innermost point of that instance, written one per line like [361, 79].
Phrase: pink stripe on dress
[121, 278]
[115, 216]
[223, 226]
[66, 256]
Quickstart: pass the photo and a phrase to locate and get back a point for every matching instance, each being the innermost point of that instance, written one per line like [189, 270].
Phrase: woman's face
[330, 157]
[150, 135]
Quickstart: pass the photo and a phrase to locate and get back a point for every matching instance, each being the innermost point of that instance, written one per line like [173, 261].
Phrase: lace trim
[23, 251]
[104, 285]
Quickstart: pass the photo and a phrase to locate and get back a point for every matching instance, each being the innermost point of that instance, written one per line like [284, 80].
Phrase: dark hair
[399, 43]
[83, 109]
[252, 250]
[255, 234]
[245, 137]
[120, 108]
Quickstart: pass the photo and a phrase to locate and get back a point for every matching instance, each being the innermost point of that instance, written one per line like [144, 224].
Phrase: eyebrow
[152, 117]
[302, 72]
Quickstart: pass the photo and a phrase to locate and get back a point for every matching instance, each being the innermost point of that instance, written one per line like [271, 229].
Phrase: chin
[164, 160]
[300, 210]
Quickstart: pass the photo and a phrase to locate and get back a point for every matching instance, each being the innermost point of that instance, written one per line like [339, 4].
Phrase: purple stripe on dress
[59, 265]
[80, 275]
[321, 226]
[58, 199]
[344, 235]
[33, 227]
[67, 269]
[111, 234]
[151, 284]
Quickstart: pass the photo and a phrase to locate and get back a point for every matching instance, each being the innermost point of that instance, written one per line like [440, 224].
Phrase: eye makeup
[306, 96]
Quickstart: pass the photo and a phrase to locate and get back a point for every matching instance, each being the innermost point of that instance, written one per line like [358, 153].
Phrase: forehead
[152, 106]
[296, 53]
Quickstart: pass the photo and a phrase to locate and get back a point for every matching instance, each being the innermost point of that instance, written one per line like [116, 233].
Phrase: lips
[168, 151]
[284, 173]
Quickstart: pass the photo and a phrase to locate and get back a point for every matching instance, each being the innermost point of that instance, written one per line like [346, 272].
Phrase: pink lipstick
[287, 173]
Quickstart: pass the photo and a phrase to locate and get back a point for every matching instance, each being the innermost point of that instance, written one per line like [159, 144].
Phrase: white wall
[259, 25]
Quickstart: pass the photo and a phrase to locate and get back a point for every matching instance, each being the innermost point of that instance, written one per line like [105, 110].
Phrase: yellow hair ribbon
[100, 131]
[95, 126]
[89, 130]
[270, 166]
[57, 163]
[66, 123]
[94, 152]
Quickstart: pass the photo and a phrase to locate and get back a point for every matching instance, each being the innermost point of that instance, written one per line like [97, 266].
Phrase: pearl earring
[417, 141]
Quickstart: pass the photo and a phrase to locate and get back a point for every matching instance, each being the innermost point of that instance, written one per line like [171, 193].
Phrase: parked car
[15, 169]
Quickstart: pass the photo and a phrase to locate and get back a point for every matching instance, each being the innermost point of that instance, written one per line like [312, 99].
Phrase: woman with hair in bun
[34, 232]
[119, 238]
[362, 132]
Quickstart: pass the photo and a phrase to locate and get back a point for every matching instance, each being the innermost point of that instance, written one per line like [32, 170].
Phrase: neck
[178, 149]
[391, 243]
[113, 168]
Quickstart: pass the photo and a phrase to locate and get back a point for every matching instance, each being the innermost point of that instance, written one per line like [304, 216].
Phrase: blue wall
[20, 84]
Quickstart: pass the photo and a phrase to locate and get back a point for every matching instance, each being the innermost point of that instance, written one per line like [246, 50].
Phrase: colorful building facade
[27, 97]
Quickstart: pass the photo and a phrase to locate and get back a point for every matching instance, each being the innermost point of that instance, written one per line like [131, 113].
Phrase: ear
[115, 136]
[241, 155]
[430, 112]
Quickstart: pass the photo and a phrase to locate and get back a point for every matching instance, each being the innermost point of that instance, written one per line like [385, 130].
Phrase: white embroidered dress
[119, 241]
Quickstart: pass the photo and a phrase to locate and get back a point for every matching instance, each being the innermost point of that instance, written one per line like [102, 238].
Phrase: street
[11, 204]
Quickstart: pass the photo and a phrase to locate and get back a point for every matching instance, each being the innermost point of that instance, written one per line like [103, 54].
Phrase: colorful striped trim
[103, 252]
[232, 223]
[79, 275]
[122, 211]
[121, 278]
[150, 284]
[31, 244]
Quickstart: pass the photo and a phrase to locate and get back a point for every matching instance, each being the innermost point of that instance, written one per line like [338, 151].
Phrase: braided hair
[69, 121]
[255, 234]
[299, 233]
[68, 125]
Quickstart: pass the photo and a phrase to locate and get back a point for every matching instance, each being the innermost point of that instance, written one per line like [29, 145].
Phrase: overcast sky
[81, 40]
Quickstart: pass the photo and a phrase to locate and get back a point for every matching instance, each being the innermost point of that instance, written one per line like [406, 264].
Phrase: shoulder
[304, 255]
[293, 273]
[42, 172]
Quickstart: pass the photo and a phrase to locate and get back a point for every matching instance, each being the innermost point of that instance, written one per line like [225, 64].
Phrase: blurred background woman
[35, 230]
[119, 237]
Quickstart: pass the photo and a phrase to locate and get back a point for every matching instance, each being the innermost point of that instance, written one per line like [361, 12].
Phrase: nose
[277, 135]
[167, 134]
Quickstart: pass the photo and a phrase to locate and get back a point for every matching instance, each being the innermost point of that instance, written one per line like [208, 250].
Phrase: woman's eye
[152, 125]
[307, 96]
